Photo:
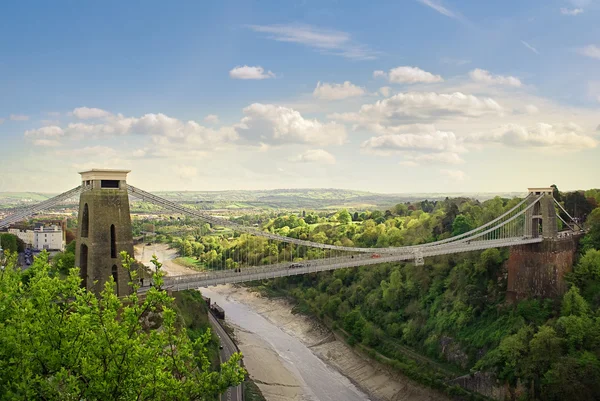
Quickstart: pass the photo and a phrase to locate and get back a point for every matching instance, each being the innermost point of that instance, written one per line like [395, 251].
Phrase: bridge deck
[179, 283]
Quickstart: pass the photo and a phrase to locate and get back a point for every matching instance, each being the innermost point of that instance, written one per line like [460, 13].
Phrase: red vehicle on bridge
[375, 256]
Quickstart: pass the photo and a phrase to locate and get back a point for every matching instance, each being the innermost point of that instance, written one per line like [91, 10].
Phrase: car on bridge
[295, 265]
[375, 256]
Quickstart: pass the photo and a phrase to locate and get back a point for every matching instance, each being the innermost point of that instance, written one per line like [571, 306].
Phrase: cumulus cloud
[337, 91]
[163, 130]
[46, 143]
[19, 117]
[315, 156]
[456, 175]
[385, 91]
[592, 51]
[443, 157]
[408, 75]
[531, 109]
[246, 72]
[273, 124]
[420, 105]
[432, 142]
[1, 120]
[571, 11]
[479, 75]
[211, 119]
[326, 41]
[85, 113]
[559, 136]
[51, 131]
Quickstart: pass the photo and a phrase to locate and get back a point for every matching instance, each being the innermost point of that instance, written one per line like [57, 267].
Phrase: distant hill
[309, 198]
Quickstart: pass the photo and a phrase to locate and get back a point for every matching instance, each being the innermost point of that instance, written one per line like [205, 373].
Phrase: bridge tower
[104, 229]
[538, 270]
[541, 219]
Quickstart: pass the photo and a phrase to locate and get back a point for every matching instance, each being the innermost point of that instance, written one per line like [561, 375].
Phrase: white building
[24, 235]
[50, 238]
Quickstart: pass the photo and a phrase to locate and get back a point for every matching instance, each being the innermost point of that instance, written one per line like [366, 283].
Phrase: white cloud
[86, 113]
[408, 163]
[560, 136]
[420, 105]
[337, 91]
[385, 91]
[46, 143]
[456, 175]
[52, 131]
[1, 120]
[433, 142]
[592, 51]
[443, 157]
[186, 172]
[484, 76]
[531, 109]
[408, 75]
[19, 117]
[315, 156]
[50, 122]
[164, 131]
[269, 123]
[573, 12]
[527, 45]
[439, 8]
[323, 40]
[211, 119]
[246, 72]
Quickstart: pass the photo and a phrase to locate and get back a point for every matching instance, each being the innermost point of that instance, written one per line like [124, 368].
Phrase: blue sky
[387, 96]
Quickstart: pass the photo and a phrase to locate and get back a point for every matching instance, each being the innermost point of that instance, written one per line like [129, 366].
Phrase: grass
[190, 262]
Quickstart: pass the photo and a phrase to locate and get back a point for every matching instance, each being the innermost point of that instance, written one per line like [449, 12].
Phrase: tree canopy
[59, 341]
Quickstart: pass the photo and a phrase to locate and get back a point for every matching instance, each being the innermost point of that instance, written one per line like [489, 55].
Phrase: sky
[385, 96]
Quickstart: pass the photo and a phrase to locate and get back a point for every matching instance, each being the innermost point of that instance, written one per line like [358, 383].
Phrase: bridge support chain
[24, 213]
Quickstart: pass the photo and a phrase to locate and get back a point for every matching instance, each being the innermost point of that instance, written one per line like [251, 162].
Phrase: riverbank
[370, 376]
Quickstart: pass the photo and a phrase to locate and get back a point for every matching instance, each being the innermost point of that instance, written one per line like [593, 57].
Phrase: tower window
[83, 263]
[109, 184]
[113, 242]
[85, 221]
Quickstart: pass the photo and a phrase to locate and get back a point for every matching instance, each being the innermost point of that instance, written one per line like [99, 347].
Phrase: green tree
[8, 242]
[59, 341]
[461, 225]
[344, 217]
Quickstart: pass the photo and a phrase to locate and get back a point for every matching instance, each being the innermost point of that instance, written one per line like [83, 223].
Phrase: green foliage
[59, 342]
[8, 242]
[461, 225]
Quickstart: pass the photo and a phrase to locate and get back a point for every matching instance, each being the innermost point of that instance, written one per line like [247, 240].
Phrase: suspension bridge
[105, 229]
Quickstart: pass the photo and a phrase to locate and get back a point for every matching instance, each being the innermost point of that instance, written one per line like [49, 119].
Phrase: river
[319, 382]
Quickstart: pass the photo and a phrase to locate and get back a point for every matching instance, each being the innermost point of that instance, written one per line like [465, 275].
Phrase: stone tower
[104, 229]
[541, 219]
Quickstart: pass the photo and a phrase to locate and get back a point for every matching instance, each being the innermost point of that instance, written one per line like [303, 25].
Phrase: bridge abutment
[538, 270]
